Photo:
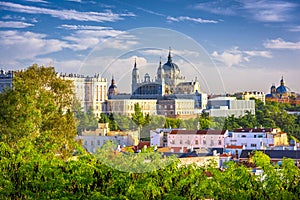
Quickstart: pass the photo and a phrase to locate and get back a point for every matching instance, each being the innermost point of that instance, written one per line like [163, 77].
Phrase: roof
[253, 130]
[169, 65]
[199, 132]
[274, 154]
[142, 144]
[234, 147]
[282, 89]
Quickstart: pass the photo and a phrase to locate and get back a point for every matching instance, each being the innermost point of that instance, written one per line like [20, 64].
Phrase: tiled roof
[202, 132]
[274, 154]
[142, 144]
[234, 147]
[255, 130]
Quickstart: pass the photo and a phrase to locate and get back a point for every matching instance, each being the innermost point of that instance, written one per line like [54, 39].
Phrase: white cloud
[14, 24]
[123, 41]
[295, 29]
[164, 52]
[260, 10]
[78, 1]
[235, 56]
[264, 54]
[186, 18]
[66, 14]
[281, 44]
[269, 11]
[83, 27]
[215, 7]
[85, 39]
[228, 57]
[37, 1]
[150, 11]
[26, 45]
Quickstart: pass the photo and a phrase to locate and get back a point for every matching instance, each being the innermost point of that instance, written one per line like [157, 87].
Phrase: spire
[282, 81]
[170, 57]
[135, 63]
[113, 80]
[159, 62]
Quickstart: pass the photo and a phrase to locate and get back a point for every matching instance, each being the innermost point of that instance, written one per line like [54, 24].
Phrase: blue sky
[250, 43]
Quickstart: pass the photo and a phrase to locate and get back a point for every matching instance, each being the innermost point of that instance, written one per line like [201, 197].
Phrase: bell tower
[135, 77]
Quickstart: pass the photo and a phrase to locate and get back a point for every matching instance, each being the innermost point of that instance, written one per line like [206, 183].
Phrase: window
[85, 142]
[188, 142]
[253, 145]
[98, 142]
[211, 143]
[180, 142]
[196, 142]
[204, 142]
[172, 141]
[220, 142]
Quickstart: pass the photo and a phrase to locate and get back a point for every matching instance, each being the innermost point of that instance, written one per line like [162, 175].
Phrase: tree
[139, 119]
[38, 109]
[204, 121]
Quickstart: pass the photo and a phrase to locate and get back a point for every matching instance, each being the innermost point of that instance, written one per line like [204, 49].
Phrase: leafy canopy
[38, 108]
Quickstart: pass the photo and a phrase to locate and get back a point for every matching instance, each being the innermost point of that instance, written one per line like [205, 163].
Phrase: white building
[261, 138]
[197, 138]
[227, 106]
[6, 80]
[91, 143]
[126, 106]
[90, 91]
[159, 136]
[91, 140]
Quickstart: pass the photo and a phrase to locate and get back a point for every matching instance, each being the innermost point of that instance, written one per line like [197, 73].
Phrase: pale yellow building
[255, 95]
[91, 92]
[126, 106]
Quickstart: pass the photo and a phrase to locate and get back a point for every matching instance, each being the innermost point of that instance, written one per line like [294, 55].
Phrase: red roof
[234, 147]
[255, 130]
[142, 144]
[202, 132]
[225, 155]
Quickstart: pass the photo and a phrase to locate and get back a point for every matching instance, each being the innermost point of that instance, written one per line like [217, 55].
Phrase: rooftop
[199, 132]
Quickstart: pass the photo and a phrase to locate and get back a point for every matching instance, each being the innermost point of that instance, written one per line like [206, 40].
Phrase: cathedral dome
[169, 65]
[282, 89]
[112, 90]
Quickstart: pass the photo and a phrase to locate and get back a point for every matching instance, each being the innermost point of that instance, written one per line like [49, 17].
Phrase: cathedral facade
[280, 92]
[169, 94]
[168, 81]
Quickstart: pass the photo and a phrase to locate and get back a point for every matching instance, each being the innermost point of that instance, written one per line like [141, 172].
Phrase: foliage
[138, 117]
[25, 173]
[38, 109]
[269, 115]
[85, 120]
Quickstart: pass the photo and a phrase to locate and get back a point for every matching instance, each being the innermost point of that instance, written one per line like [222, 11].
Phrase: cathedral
[282, 91]
[168, 81]
[168, 94]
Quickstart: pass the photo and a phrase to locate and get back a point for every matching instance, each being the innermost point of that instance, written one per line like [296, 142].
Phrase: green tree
[205, 121]
[140, 119]
[38, 109]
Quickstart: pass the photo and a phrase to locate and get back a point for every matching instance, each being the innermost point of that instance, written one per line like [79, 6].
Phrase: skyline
[251, 43]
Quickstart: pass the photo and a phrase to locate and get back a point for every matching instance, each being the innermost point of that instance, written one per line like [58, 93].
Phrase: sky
[229, 46]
